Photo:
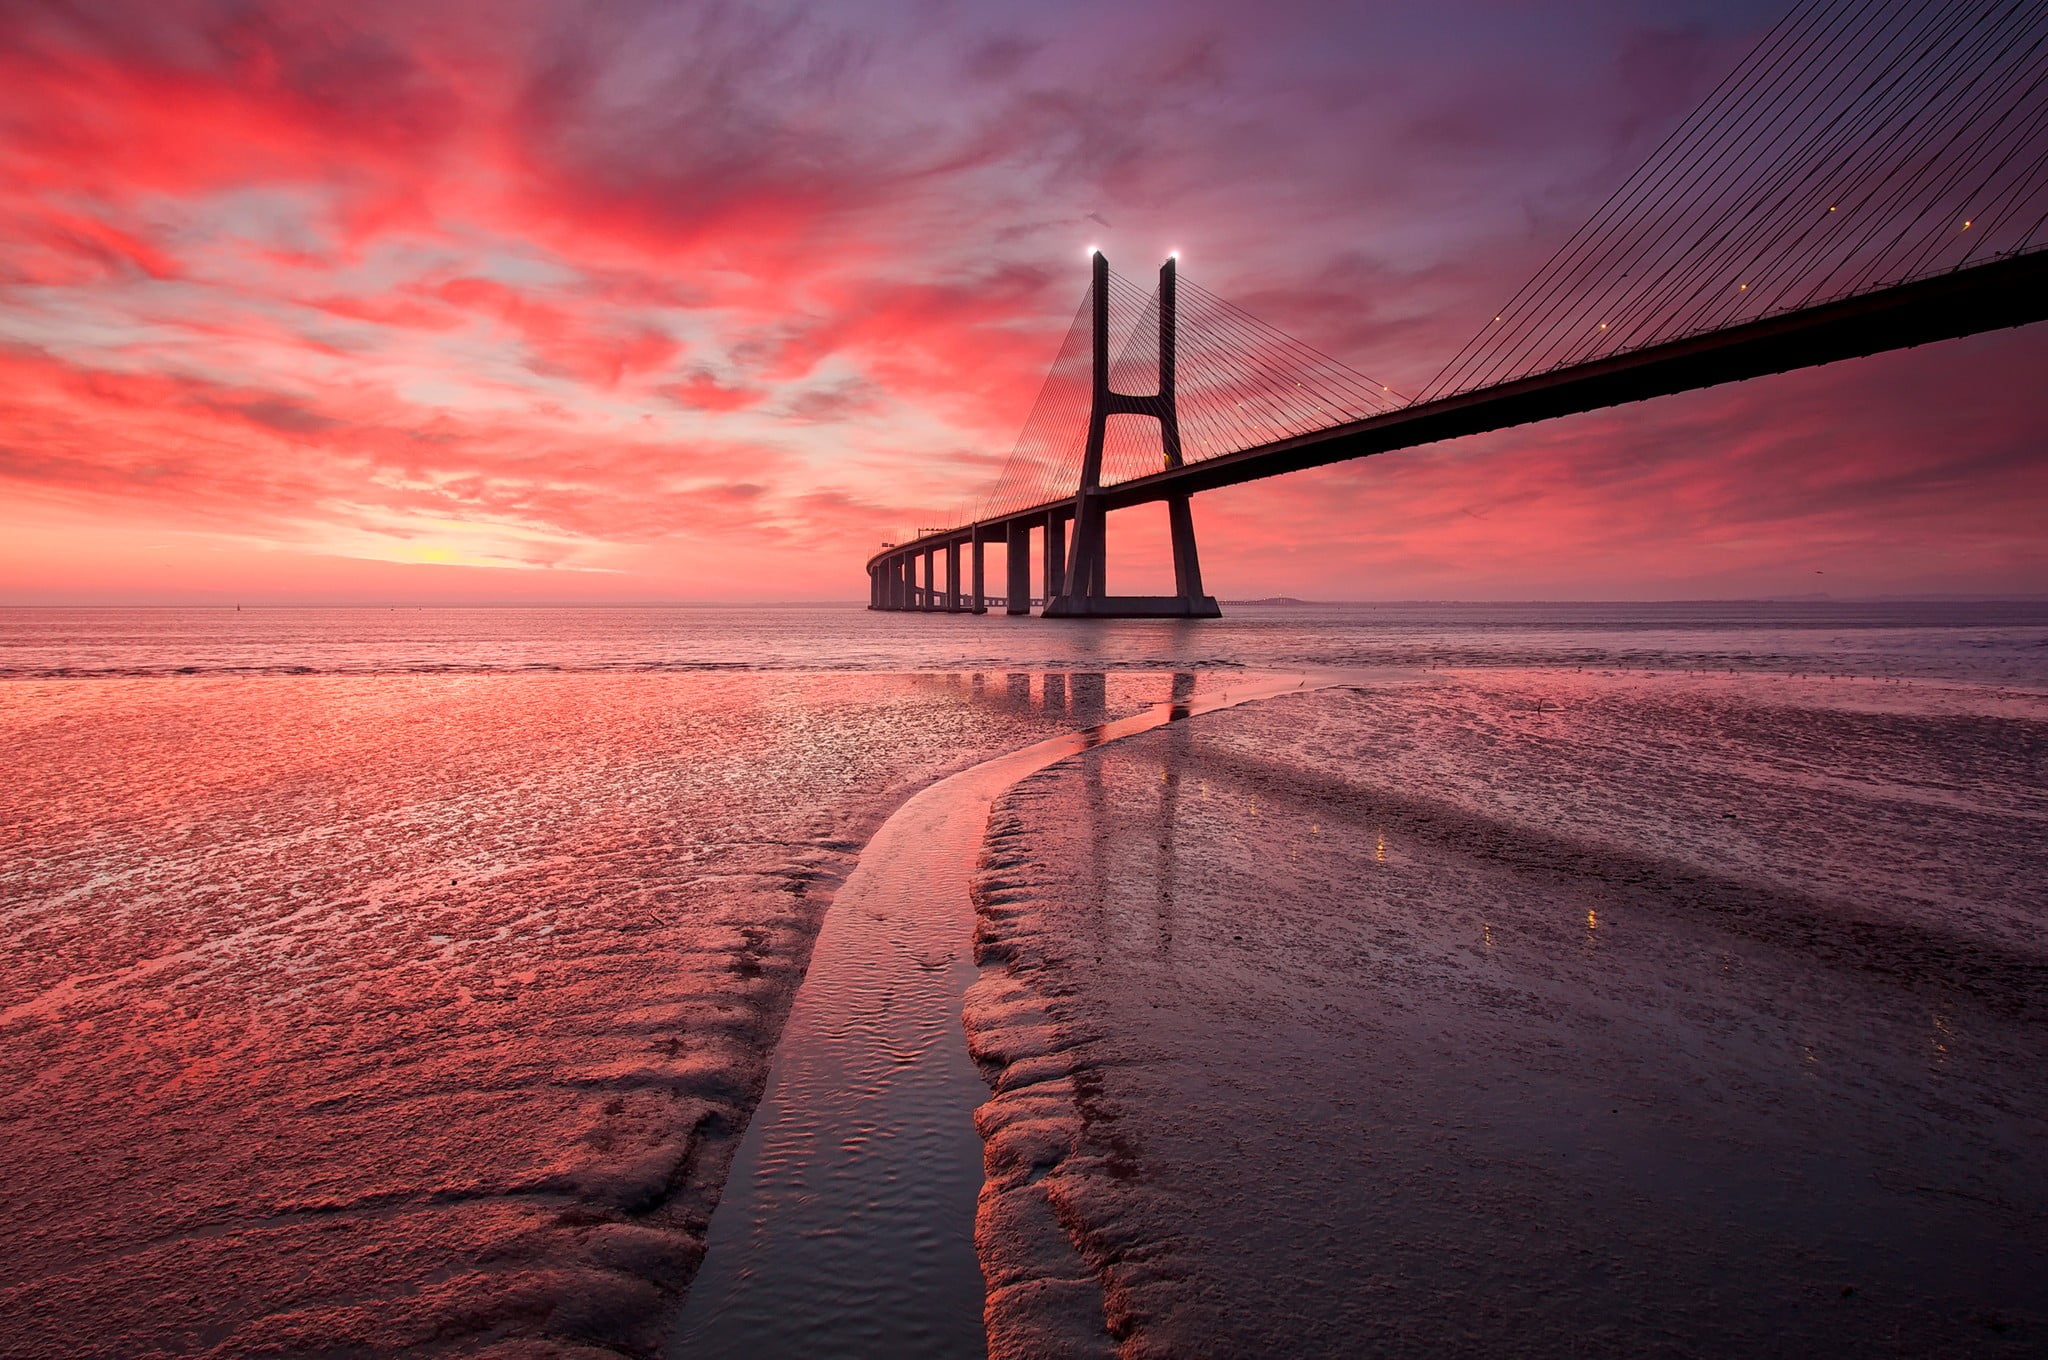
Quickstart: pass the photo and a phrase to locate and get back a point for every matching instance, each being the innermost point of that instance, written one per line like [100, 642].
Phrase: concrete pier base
[1133, 607]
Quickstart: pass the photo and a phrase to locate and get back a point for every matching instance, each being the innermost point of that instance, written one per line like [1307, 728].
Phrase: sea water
[388, 979]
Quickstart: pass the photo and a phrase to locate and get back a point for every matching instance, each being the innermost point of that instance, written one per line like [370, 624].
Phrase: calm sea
[1994, 643]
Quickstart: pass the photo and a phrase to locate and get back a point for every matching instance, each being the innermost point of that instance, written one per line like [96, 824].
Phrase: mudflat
[1526, 1012]
[421, 1013]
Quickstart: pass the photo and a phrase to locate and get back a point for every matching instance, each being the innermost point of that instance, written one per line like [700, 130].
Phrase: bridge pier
[1187, 564]
[1086, 593]
[1018, 568]
[953, 577]
[979, 603]
[1055, 556]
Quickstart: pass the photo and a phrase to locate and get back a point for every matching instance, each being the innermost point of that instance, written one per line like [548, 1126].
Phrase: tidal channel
[847, 1223]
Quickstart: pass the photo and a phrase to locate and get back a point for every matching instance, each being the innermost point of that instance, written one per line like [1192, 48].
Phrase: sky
[637, 300]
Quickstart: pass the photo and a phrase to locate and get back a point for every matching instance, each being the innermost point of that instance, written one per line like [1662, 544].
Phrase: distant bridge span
[1854, 187]
[1995, 296]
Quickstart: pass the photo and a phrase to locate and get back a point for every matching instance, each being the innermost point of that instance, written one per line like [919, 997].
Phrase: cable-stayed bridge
[1872, 176]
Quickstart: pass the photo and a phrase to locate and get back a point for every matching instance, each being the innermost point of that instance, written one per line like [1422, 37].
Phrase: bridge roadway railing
[1993, 296]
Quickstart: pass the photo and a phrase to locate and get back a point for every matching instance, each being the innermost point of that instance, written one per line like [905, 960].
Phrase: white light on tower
[1093, 251]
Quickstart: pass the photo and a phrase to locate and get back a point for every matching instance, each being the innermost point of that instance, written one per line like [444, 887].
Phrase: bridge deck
[1986, 297]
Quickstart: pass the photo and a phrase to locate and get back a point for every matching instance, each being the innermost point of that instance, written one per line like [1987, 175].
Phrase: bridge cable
[1914, 115]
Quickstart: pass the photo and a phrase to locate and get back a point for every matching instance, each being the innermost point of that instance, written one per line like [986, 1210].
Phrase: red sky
[532, 301]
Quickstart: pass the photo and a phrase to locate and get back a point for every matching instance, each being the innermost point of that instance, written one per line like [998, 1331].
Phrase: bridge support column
[1087, 570]
[1019, 569]
[953, 577]
[978, 574]
[1187, 564]
[1086, 593]
[899, 582]
[1055, 556]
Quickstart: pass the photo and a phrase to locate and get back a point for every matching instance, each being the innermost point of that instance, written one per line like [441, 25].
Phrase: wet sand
[848, 1228]
[413, 1014]
[1525, 1013]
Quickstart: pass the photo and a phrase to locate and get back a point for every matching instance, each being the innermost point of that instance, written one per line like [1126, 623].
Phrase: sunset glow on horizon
[534, 302]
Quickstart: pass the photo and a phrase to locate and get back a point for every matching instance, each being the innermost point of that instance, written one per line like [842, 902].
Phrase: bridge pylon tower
[1086, 593]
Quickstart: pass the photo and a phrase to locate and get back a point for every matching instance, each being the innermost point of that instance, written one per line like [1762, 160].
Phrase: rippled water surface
[400, 980]
[1987, 642]
[402, 1011]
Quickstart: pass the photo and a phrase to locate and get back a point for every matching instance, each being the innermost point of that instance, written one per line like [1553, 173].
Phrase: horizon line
[1895, 597]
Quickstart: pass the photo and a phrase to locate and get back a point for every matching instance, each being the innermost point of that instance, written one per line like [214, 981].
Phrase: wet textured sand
[848, 1226]
[1526, 1013]
[351, 1015]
